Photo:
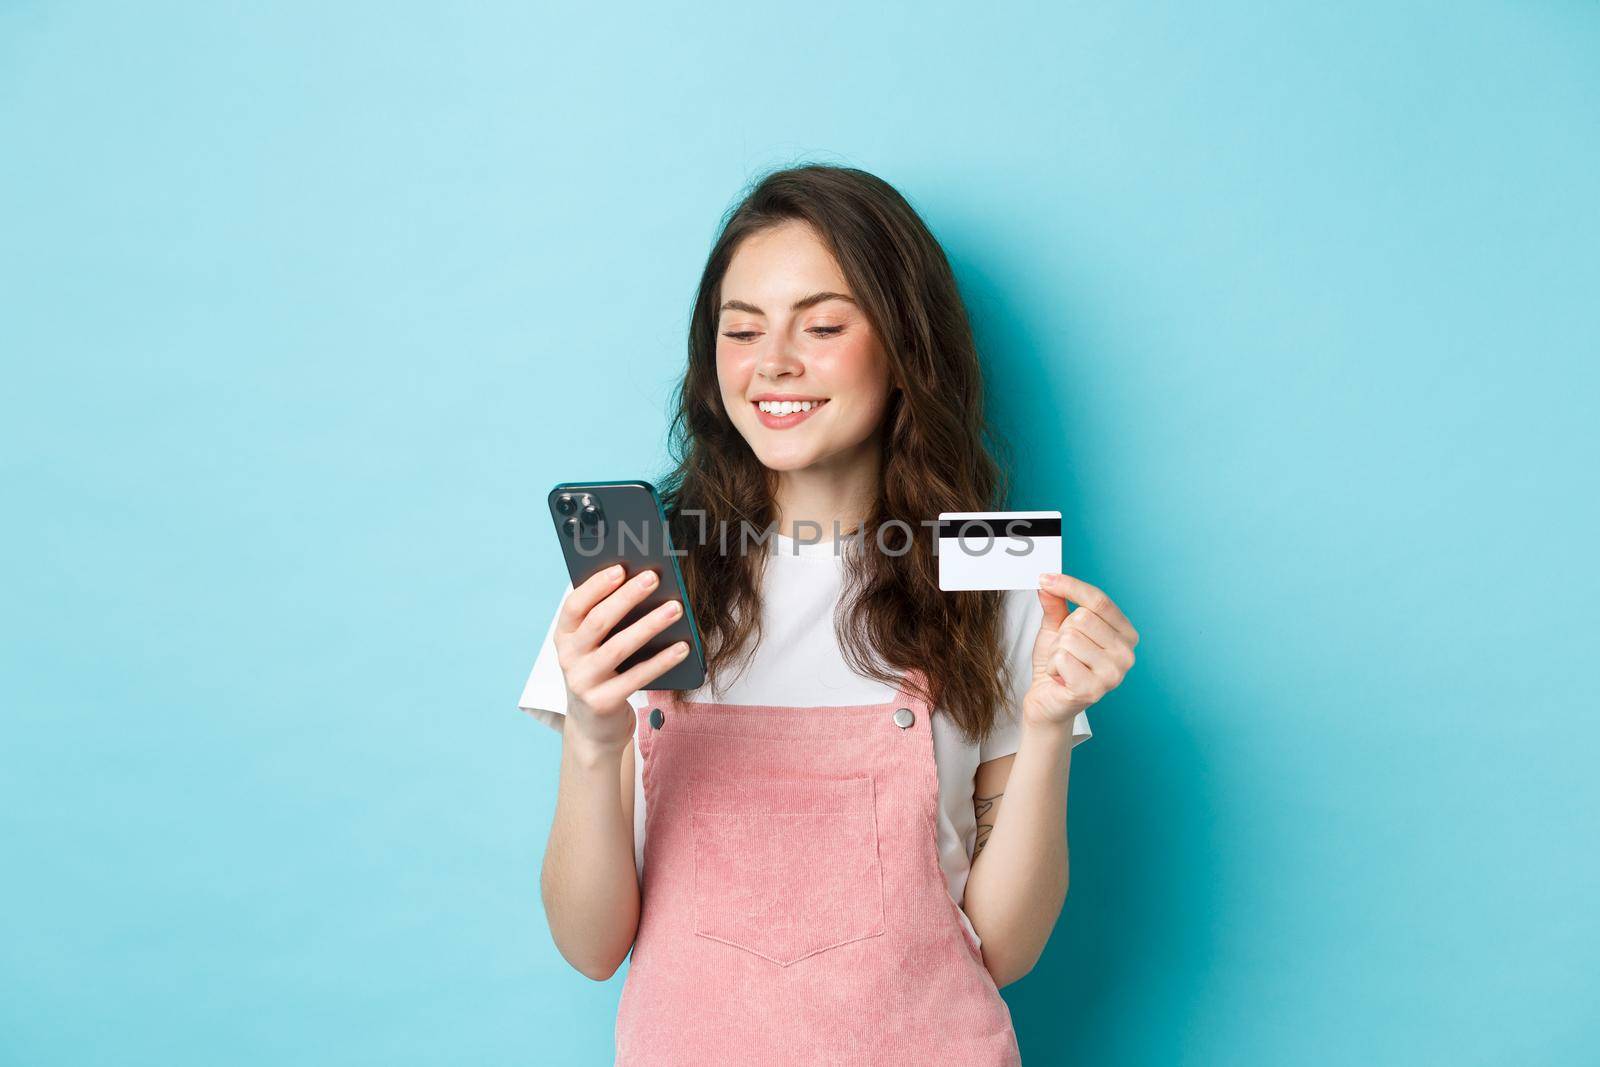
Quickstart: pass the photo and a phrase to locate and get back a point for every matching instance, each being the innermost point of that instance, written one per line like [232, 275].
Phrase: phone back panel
[630, 529]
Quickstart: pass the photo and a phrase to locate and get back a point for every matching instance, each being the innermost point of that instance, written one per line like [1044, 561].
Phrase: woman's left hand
[1079, 657]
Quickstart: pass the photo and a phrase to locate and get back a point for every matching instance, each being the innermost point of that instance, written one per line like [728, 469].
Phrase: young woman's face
[788, 330]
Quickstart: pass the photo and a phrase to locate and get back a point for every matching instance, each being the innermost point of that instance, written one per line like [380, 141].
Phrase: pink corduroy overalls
[793, 910]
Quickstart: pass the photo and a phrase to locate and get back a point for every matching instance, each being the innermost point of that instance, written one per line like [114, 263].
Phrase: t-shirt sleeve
[544, 696]
[1024, 614]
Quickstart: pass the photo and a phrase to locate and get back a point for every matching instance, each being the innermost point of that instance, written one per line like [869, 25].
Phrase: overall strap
[913, 688]
[658, 703]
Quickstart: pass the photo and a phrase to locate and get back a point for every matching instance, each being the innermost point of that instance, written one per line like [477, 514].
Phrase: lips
[789, 421]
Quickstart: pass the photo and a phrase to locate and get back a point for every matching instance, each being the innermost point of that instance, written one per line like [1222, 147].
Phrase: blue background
[1291, 309]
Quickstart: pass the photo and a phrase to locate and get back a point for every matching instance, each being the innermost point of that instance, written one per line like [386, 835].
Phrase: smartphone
[604, 523]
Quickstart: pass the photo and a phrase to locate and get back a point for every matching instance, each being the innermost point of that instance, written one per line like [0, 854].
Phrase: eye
[745, 335]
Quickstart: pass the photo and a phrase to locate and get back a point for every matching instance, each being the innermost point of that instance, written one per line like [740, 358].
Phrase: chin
[785, 460]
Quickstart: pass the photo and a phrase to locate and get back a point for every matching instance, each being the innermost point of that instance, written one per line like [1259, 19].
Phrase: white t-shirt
[798, 663]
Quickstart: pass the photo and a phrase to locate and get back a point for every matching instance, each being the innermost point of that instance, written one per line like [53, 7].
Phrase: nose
[778, 362]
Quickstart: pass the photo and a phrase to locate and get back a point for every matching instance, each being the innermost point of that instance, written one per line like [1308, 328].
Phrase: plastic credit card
[997, 549]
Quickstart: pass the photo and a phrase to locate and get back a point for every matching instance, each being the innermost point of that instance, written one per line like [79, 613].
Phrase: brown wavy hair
[938, 454]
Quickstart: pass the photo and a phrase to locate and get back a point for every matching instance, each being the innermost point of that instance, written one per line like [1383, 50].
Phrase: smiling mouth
[783, 414]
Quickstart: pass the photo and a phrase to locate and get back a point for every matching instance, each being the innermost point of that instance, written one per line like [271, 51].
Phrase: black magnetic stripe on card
[992, 528]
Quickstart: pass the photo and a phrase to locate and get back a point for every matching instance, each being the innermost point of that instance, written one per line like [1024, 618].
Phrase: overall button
[656, 718]
[903, 718]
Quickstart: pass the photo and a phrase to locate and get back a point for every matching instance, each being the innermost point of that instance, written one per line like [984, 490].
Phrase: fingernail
[670, 608]
[681, 648]
[614, 571]
[1047, 577]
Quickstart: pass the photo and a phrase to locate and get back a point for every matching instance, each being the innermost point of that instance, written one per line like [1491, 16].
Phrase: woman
[857, 829]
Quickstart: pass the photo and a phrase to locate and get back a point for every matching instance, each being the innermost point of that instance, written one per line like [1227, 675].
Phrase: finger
[1099, 631]
[636, 677]
[635, 635]
[1055, 610]
[1081, 592]
[1072, 672]
[1097, 659]
[1090, 625]
[609, 612]
[581, 600]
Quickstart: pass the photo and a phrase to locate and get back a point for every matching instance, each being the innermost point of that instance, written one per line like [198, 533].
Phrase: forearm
[589, 883]
[1018, 880]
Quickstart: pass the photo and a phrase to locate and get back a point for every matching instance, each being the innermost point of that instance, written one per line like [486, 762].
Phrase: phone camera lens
[565, 504]
[570, 527]
[591, 515]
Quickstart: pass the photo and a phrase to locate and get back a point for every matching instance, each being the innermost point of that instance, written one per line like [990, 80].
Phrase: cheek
[734, 368]
[858, 367]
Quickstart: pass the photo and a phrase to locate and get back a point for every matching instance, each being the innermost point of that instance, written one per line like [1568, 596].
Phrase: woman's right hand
[597, 696]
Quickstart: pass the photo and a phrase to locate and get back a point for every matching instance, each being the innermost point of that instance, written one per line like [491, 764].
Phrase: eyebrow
[799, 305]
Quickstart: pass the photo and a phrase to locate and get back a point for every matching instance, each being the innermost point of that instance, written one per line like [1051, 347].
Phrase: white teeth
[785, 407]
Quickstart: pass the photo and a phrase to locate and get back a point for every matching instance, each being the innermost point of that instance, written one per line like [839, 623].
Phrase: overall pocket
[786, 867]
